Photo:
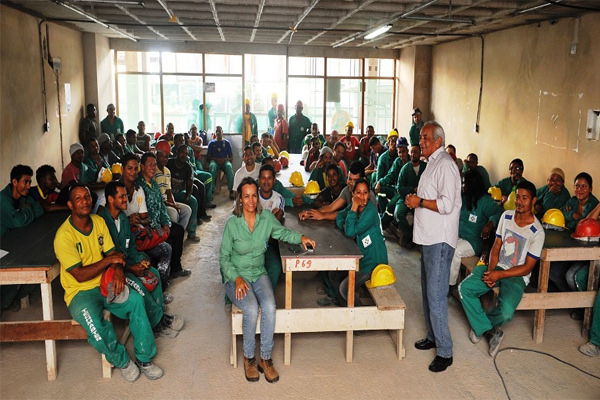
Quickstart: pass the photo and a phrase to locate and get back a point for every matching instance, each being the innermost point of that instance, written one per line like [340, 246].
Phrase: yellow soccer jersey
[73, 248]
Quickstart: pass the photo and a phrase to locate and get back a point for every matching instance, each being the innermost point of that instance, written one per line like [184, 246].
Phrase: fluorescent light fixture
[94, 19]
[379, 31]
[123, 3]
[543, 5]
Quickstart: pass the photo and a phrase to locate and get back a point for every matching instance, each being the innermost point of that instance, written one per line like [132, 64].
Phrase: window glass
[343, 67]
[182, 62]
[182, 96]
[376, 67]
[224, 105]
[307, 66]
[343, 104]
[379, 100]
[223, 64]
[264, 78]
[310, 92]
[139, 100]
[138, 61]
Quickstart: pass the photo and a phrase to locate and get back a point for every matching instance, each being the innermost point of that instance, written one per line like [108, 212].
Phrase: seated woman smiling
[242, 259]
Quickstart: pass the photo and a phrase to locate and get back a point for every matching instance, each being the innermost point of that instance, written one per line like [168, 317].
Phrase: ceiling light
[123, 3]
[343, 42]
[379, 31]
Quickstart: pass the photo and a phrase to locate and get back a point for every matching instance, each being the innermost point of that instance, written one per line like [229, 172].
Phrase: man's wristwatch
[421, 203]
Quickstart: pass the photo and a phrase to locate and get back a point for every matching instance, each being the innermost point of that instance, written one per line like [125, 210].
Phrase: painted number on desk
[303, 263]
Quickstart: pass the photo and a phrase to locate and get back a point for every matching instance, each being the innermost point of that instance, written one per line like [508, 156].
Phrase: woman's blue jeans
[260, 294]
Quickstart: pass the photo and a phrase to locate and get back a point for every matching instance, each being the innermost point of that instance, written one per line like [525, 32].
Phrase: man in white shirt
[437, 208]
[273, 202]
[248, 168]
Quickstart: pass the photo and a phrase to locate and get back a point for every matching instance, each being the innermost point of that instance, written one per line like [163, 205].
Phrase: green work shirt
[309, 137]
[392, 174]
[157, 211]
[471, 222]
[415, 133]
[408, 180]
[112, 129]
[384, 164]
[89, 174]
[17, 213]
[271, 116]
[123, 240]
[243, 252]
[506, 186]
[318, 175]
[366, 229]
[550, 200]
[572, 205]
[297, 130]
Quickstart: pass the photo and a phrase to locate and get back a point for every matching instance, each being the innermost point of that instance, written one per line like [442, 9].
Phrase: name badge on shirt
[366, 241]
[473, 218]
[127, 243]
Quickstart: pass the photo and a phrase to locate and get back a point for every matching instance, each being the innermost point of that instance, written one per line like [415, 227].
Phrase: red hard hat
[284, 162]
[164, 146]
[588, 229]
[277, 166]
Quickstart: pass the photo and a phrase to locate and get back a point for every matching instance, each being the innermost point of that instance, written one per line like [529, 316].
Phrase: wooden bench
[388, 314]
[531, 301]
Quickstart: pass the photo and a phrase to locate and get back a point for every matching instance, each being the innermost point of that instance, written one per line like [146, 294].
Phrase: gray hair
[438, 131]
[237, 206]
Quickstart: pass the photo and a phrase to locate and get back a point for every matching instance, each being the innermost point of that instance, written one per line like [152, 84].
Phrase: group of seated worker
[102, 270]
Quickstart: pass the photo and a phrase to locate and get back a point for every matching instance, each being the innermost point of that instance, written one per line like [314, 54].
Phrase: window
[224, 105]
[223, 64]
[181, 63]
[138, 61]
[376, 67]
[182, 97]
[379, 104]
[139, 100]
[343, 104]
[344, 67]
[306, 66]
[310, 92]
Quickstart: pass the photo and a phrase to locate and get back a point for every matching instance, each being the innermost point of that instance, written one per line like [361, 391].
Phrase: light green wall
[22, 138]
[535, 98]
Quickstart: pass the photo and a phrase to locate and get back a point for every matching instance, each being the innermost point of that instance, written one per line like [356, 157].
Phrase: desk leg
[540, 315]
[48, 314]
[592, 285]
[350, 334]
[287, 337]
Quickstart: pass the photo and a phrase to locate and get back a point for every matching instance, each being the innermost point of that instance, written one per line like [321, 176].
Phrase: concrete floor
[196, 363]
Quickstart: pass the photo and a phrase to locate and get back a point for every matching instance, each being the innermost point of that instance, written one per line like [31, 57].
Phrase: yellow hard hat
[284, 154]
[509, 204]
[312, 189]
[495, 192]
[553, 219]
[296, 179]
[382, 275]
[247, 101]
[116, 169]
[392, 133]
[270, 151]
[349, 124]
[274, 95]
[105, 175]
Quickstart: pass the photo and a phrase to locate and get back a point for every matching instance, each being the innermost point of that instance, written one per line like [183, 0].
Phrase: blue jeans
[435, 273]
[260, 294]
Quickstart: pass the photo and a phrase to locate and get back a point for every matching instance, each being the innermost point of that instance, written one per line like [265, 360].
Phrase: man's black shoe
[182, 273]
[211, 205]
[440, 364]
[205, 217]
[425, 344]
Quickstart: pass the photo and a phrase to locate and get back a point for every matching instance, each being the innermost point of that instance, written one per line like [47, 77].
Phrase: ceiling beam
[133, 17]
[213, 9]
[258, 15]
[304, 14]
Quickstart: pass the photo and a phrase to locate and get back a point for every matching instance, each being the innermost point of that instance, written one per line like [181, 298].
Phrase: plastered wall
[21, 136]
[535, 98]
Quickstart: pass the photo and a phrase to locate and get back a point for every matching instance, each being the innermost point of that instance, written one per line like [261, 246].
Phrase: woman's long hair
[237, 208]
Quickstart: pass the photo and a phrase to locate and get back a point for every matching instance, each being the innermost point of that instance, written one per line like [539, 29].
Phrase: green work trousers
[400, 213]
[473, 287]
[153, 300]
[595, 328]
[207, 179]
[273, 262]
[193, 203]
[87, 307]
[226, 167]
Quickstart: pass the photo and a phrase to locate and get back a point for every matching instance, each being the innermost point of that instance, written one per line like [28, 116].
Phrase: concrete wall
[535, 98]
[22, 137]
[414, 85]
[99, 78]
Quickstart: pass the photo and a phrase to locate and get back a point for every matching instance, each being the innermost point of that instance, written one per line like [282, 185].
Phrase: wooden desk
[559, 246]
[334, 252]
[31, 260]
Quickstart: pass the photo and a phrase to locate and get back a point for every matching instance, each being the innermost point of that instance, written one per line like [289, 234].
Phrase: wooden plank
[387, 298]
[571, 254]
[540, 314]
[330, 263]
[41, 330]
[14, 276]
[329, 320]
[541, 301]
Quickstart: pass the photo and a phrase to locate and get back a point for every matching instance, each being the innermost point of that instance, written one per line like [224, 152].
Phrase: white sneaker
[590, 349]
[174, 322]
[151, 371]
[130, 372]
[474, 338]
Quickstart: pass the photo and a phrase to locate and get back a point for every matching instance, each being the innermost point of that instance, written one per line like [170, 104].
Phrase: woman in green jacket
[242, 258]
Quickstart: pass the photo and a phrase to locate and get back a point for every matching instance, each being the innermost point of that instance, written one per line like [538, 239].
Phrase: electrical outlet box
[592, 131]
